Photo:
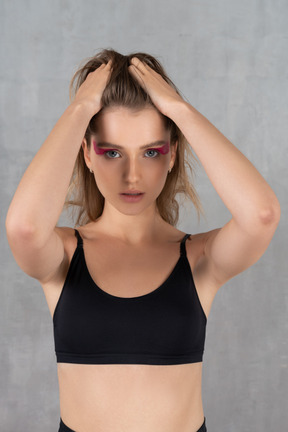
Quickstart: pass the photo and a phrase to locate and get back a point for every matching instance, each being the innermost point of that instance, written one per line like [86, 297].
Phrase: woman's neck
[132, 229]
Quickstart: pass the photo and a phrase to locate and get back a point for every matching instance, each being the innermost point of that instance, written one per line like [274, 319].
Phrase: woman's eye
[152, 153]
[112, 154]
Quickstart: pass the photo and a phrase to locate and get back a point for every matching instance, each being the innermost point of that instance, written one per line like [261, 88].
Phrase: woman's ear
[86, 152]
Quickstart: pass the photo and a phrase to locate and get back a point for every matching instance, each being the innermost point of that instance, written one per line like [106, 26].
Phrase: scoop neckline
[118, 298]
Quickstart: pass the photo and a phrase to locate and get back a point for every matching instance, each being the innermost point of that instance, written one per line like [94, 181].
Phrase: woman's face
[130, 154]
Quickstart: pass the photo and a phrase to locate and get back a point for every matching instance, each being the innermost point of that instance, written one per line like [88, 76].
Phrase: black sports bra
[164, 327]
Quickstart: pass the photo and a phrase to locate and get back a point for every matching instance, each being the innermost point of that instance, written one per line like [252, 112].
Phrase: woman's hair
[122, 90]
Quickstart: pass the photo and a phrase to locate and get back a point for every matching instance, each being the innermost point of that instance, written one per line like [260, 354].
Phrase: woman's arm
[254, 207]
[251, 201]
[40, 195]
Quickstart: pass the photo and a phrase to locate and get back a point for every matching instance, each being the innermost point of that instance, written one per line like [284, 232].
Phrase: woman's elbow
[270, 215]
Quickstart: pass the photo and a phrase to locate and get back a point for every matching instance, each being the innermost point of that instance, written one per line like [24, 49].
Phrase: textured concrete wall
[229, 58]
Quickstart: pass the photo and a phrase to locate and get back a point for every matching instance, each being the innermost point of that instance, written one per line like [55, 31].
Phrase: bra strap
[182, 245]
[79, 238]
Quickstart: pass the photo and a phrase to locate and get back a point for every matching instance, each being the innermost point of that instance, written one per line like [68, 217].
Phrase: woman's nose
[132, 170]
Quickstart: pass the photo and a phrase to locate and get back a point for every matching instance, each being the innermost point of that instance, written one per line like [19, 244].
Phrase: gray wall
[229, 58]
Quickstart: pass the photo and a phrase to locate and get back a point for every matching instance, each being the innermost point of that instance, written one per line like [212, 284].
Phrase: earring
[91, 171]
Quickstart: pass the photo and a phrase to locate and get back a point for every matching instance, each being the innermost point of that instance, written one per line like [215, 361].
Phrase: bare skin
[106, 398]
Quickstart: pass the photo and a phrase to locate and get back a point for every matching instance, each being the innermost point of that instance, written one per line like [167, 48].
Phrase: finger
[135, 61]
[137, 75]
[104, 66]
[95, 71]
[135, 72]
[143, 67]
[109, 64]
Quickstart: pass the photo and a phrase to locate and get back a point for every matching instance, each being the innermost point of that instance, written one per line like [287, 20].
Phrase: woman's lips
[132, 197]
[131, 191]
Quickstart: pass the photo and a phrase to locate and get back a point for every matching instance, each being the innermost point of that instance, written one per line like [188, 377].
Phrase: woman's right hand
[91, 90]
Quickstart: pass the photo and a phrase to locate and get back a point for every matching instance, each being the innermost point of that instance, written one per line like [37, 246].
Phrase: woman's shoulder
[179, 235]
[69, 238]
[66, 232]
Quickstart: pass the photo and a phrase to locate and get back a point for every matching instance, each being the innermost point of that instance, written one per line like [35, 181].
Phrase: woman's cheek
[107, 175]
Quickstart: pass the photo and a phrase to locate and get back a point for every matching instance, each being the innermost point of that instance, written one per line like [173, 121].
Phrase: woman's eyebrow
[110, 145]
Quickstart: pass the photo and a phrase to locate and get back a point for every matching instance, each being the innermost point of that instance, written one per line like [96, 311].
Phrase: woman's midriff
[146, 398]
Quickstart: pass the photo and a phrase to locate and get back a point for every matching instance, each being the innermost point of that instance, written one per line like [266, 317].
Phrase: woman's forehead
[124, 121]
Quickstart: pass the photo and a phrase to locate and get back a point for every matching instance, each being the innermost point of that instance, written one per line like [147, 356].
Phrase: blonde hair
[123, 90]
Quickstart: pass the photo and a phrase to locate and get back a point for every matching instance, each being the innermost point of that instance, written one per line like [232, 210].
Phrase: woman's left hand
[164, 97]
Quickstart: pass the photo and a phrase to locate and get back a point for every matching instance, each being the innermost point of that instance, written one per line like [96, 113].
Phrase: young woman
[128, 292]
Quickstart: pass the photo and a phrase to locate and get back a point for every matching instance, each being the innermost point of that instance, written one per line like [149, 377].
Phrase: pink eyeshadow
[97, 149]
[164, 149]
